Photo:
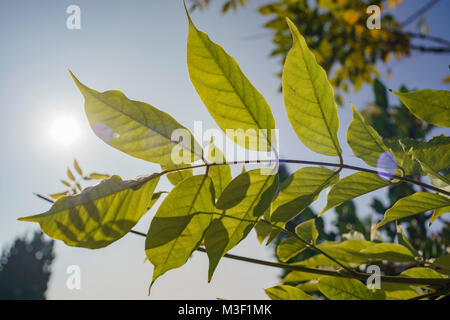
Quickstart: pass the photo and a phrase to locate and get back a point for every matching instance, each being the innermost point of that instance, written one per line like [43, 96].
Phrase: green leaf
[388, 251]
[241, 204]
[70, 175]
[398, 291]
[77, 167]
[58, 195]
[309, 98]
[97, 176]
[179, 224]
[289, 248]
[221, 175]
[308, 231]
[352, 187]
[421, 272]
[416, 203]
[364, 140]
[348, 251]
[403, 240]
[299, 191]
[401, 153]
[310, 286]
[64, 182]
[177, 176]
[100, 214]
[442, 264]
[344, 289]
[263, 230]
[437, 213]
[228, 95]
[284, 292]
[433, 155]
[433, 106]
[136, 128]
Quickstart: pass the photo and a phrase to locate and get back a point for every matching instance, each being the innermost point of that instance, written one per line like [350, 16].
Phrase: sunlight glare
[65, 130]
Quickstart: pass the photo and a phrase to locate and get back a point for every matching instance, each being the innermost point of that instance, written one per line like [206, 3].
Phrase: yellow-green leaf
[352, 187]
[433, 106]
[289, 248]
[388, 251]
[77, 167]
[364, 140]
[230, 98]
[284, 292]
[442, 264]
[179, 224]
[433, 155]
[307, 231]
[439, 212]
[240, 206]
[416, 203]
[221, 175]
[177, 176]
[421, 272]
[135, 127]
[309, 98]
[97, 176]
[100, 214]
[58, 195]
[299, 191]
[70, 175]
[344, 289]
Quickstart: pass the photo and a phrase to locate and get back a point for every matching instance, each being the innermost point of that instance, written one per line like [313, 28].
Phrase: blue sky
[139, 47]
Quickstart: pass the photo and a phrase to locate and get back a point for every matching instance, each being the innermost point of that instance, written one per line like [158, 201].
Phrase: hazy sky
[139, 47]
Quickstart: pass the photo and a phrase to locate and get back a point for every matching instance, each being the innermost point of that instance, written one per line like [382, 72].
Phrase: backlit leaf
[433, 106]
[416, 203]
[284, 292]
[221, 175]
[388, 251]
[179, 224]
[364, 140]
[134, 127]
[344, 289]
[228, 95]
[240, 206]
[289, 248]
[309, 98]
[100, 214]
[352, 187]
[177, 176]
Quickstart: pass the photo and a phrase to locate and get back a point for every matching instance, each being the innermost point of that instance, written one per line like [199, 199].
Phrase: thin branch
[419, 13]
[431, 49]
[342, 274]
[315, 163]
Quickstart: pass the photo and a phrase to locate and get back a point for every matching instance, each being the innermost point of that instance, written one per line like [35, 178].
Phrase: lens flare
[386, 165]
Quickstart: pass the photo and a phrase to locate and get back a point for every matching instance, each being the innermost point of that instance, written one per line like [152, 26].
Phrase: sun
[65, 130]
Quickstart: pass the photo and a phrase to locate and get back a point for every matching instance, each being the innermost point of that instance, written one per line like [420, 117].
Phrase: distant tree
[337, 34]
[25, 268]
